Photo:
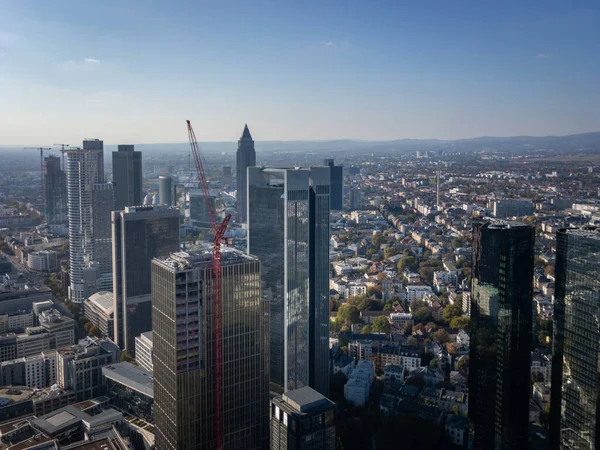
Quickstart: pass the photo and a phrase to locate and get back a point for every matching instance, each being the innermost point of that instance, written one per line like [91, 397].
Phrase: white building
[393, 373]
[399, 321]
[143, 350]
[356, 392]
[417, 291]
[354, 289]
[541, 365]
[361, 350]
[43, 261]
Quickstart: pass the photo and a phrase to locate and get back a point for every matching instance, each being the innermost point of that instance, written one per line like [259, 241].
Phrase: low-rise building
[456, 428]
[356, 392]
[361, 349]
[130, 388]
[43, 261]
[99, 309]
[399, 320]
[401, 355]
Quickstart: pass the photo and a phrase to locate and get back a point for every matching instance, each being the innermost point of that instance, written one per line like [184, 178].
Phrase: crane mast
[216, 291]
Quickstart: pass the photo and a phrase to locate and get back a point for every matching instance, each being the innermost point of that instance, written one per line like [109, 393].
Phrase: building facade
[183, 344]
[55, 192]
[501, 321]
[245, 157]
[143, 350]
[127, 176]
[139, 234]
[99, 309]
[575, 388]
[288, 229]
[165, 190]
[302, 420]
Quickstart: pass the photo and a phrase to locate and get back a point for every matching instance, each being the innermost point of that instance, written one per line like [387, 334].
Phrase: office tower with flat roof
[127, 176]
[85, 174]
[336, 175]
[288, 230]
[302, 420]
[575, 399]
[245, 157]
[165, 190]
[139, 234]
[55, 192]
[501, 323]
[183, 344]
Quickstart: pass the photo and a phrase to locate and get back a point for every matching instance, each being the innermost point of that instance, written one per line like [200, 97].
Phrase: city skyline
[314, 73]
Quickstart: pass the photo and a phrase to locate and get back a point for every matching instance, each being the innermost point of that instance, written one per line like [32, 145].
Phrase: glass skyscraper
[288, 230]
[501, 323]
[245, 157]
[55, 192]
[183, 352]
[139, 234]
[575, 399]
[127, 176]
[337, 184]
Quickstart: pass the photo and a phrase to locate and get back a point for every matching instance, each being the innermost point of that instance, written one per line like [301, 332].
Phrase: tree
[463, 365]
[422, 315]
[407, 329]
[389, 252]
[94, 331]
[440, 336]
[412, 341]
[381, 325]
[407, 262]
[426, 274]
[545, 416]
[125, 356]
[387, 307]
[348, 314]
[433, 363]
[461, 323]
[87, 327]
[452, 311]
[73, 307]
[367, 329]
[539, 262]
[451, 348]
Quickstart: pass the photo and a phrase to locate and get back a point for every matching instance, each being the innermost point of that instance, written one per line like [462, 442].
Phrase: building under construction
[182, 324]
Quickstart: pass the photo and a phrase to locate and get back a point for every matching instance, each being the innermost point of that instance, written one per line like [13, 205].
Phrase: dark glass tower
[288, 230]
[501, 322]
[55, 192]
[337, 184]
[127, 176]
[575, 400]
[245, 157]
[183, 352]
[139, 234]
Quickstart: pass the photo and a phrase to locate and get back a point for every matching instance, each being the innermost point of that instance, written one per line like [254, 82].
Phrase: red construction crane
[216, 291]
[41, 149]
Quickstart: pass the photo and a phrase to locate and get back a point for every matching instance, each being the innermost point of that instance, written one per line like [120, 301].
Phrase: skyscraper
[336, 174]
[245, 157]
[183, 352]
[165, 190]
[127, 176]
[139, 234]
[501, 322]
[288, 230]
[85, 170]
[55, 192]
[575, 399]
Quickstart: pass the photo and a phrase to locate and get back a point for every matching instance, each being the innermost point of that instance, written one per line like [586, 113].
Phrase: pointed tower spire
[246, 134]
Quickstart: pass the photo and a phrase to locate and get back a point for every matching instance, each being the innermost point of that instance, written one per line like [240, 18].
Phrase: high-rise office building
[103, 202]
[575, 399]
[302, 420]
[501, 323]
[139, 234]
[55, 192]
[288, 230]
[85, 175]
[127, 176]
[245, 157]
[183, 347]
[336, 175]
[165, 190]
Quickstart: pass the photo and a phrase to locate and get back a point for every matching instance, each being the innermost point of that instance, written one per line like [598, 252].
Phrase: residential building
[457, 429]
[127, 176]
[183, 351]
[399, 321]
[85, 168]
[36, 371]
[336, 175]
[501, 323]
[139, 233]
[541, 366]
[356, 392]
[43, 261]
[416, 291]
[302, 420]
[99, 309]
[143, 350]
[55, 192]
[401, 355]
[288, 230]
[575, 420]
[361, 349]
[245, 157]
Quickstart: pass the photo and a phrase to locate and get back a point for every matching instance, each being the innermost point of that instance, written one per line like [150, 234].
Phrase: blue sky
[133, 71]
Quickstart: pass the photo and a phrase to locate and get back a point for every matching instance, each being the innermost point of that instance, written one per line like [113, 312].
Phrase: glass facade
[127, 176]
[245, 157]
[501, 322]
[575, 400]
[139, 234]
[183, 352]
[288, 230]
[55, 192]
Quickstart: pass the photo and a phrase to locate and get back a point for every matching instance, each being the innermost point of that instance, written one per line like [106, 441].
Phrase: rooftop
[306, 399]
[104, 301]
[132, 376]
[202, 257]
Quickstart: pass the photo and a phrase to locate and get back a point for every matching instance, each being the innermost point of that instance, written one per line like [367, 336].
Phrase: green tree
[94, 331]
[87, 327]
[545, 416]
[349, 314]
[440, 336]
[463, 365]
[389, 252]
[422, 315]
[412, 341]
[387, 307]
[461, 323]
[407, 262]
[382, 325]
[452, 311]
